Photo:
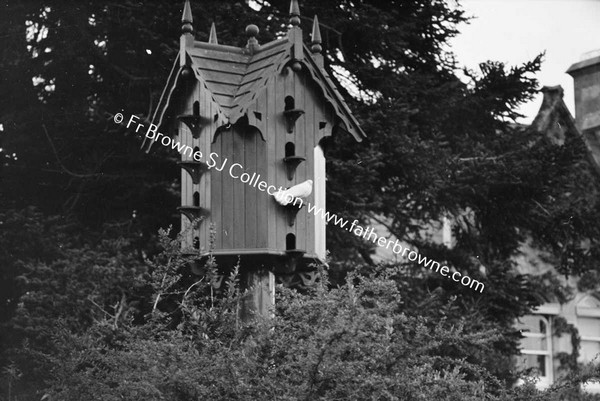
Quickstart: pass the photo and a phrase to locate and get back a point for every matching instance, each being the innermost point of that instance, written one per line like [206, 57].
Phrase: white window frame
[588, 312]
[543, 381]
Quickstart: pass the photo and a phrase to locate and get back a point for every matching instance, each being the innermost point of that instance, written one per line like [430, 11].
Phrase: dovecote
[265, 108]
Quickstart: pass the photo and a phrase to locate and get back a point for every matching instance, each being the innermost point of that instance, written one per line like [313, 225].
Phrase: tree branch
[60, 163]
[188, 290]
[99, 307]
[120, 310]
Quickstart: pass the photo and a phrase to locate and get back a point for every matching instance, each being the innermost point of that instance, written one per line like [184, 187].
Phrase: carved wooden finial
[252, 33]
[316, 37]
[186, 19]
[294, 13]
[213, 35]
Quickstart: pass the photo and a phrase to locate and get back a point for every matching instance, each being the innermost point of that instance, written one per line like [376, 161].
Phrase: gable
[555, 120]
[236, 77]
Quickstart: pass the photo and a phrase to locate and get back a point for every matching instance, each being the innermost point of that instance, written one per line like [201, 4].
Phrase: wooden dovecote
[258, 111]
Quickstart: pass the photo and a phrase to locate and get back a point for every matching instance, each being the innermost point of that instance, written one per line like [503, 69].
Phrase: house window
[589, 330]
[536, 347]
[588, 324]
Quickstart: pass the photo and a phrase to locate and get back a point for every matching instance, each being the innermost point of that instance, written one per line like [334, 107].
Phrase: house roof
[554, 111]
[555, 119]
[235, 77]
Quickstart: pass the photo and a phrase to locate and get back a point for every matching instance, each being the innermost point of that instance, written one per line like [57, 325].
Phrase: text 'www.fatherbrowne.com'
[236, 171]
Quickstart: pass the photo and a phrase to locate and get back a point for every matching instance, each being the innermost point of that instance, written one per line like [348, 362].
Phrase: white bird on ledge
[302, 190]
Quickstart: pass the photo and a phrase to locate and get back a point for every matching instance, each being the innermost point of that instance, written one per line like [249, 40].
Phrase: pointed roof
[235, 77]
[555, 120]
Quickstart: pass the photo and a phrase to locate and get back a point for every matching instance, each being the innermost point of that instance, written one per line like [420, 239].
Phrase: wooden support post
[260, 299]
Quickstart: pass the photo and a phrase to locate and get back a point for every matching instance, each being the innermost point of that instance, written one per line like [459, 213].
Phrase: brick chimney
[586, 76]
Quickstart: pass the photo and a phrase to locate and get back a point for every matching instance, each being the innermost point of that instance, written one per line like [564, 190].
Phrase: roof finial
[294, 13]
[213, 35]
[316, 37]
[252, 32]
[187, 19]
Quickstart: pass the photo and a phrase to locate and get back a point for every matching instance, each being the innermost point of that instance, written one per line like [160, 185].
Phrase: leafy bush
[155, 332]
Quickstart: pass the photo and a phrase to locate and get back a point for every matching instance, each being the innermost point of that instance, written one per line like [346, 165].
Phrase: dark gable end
[555, 120]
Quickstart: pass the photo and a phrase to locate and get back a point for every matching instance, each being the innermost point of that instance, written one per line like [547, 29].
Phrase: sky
[515, 31]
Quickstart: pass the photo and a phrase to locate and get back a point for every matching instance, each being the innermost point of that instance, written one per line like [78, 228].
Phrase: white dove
[301, 190]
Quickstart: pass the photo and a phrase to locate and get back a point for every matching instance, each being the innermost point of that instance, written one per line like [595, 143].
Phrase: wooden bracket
[194, 123]
[193, 213]
[290, 117]
[298, 279]
[195, 169]
[291, 163]
[292, 210]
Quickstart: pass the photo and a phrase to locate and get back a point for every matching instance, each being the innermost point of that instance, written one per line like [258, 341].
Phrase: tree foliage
[353, 342]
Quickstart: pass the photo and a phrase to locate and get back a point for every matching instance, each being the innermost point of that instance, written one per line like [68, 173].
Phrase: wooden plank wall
[245, 217]
[187, 187]
[207, 109]
[242, 210]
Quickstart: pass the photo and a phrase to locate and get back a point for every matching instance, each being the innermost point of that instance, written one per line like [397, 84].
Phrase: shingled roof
[236, 76]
